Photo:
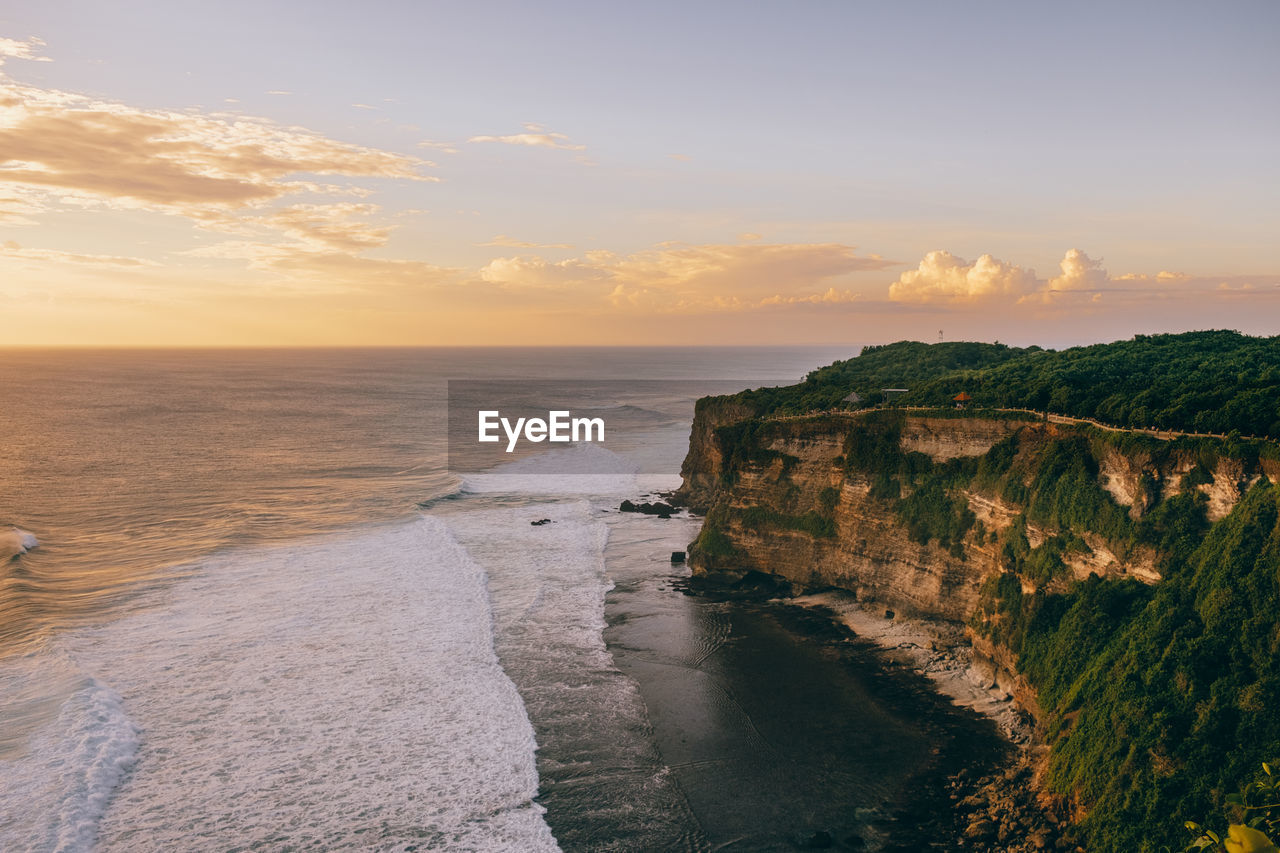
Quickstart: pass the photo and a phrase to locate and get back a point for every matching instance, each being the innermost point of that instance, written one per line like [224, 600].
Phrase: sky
[565, 173]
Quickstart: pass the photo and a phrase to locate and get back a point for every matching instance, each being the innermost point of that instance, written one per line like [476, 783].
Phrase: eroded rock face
[1130, 479]
[798, 468]
[995, 514]
[950, 438]
[1230, 482]
[871, 552]
[871, 555]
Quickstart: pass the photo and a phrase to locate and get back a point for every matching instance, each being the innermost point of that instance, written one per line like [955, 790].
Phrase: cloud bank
[676, 277]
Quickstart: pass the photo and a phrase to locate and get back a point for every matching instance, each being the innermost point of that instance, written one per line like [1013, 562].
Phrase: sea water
[245, 605]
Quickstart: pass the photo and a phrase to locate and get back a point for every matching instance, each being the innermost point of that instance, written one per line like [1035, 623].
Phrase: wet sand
[782, 729]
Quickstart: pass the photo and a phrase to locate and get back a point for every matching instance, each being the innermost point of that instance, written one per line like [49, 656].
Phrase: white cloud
[535, 137]
[1081, 273]
[943, 277]
[14, 49]
[446, 147]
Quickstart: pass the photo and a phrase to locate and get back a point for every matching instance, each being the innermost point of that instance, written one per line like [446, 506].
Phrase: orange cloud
[538, 272]
[329, 226]
[308, 269]
[677, 277]
[1164, 276]
[70, 146]
[507, 242]
[831, 296]
[10, 250]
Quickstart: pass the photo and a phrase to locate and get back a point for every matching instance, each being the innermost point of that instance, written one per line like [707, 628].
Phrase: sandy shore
[937, 650]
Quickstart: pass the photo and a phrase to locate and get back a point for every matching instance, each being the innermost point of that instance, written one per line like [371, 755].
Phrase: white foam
[14, 542]
[548, 586]
[582, 469]
[342, 693]
[53, 795]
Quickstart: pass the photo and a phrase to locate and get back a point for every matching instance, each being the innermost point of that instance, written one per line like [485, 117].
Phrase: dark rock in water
[677, 557]
[660, 509]
[750, 586]
[889, 614]
[821, 840]
[540, 522]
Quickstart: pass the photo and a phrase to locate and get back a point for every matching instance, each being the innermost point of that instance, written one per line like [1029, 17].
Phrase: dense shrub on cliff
[1194, 382]
[1162, 697]
[1213, 382]
[901, 365]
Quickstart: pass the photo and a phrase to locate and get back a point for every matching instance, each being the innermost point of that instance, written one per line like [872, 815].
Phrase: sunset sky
[438, 173]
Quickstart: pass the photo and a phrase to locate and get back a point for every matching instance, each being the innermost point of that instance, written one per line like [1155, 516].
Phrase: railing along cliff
[1050, 417]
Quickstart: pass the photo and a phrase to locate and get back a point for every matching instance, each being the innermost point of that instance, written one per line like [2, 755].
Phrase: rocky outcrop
[704, 463]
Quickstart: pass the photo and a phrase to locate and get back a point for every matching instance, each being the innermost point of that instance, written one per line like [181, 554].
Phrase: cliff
[1003, 522]
[765, 483]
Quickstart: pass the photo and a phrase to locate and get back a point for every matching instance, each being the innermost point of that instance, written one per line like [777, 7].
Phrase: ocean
[263, 614]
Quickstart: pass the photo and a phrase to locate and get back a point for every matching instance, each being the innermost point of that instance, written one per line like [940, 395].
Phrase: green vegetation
[1212, 382]
[1255, 820]
[813, 523]
[712, 541]
[901, 365]
[1156, 698]
[828, 498]
[743, 444]
[1195, 382]
[1065, 493]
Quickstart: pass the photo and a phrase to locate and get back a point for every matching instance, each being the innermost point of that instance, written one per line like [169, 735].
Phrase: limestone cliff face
[951, 438]
[870, 552]
[784, 501]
